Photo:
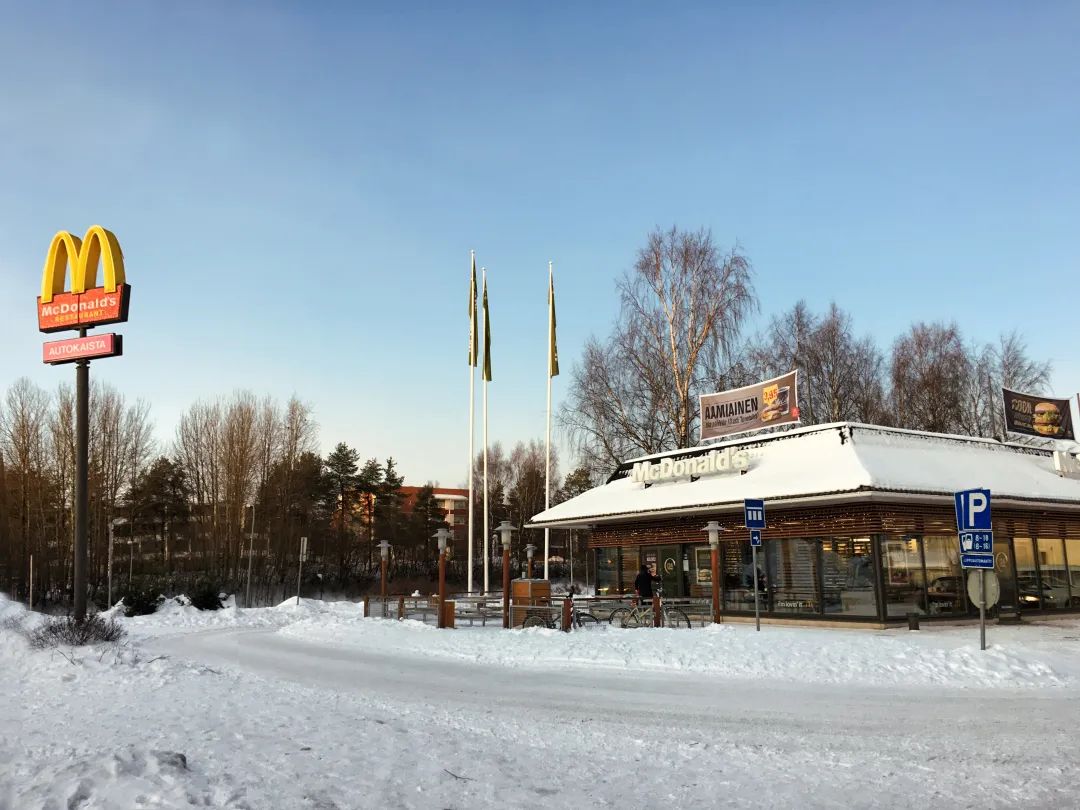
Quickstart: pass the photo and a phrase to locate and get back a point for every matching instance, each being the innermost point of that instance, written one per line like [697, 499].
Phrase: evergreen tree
[426, 519]
[388, 513]
[342, 466]
[159, 501]
[368, 486]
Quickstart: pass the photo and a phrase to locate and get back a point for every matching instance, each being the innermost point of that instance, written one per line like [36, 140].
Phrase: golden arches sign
[84, 304]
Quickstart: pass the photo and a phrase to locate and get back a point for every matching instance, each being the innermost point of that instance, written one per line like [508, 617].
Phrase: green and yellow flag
[487, 338]
[474, 338]
[553, 348]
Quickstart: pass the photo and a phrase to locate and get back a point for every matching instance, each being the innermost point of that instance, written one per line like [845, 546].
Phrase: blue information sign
[977, 542]
[973, 510]
[975, 528]
[977, 561]
[755, 538]
[754, 513]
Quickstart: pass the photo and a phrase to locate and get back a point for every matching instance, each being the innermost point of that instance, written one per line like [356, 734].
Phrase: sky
[297, 186]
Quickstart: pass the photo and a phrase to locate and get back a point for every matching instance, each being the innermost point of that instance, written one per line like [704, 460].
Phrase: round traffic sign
[974, 588]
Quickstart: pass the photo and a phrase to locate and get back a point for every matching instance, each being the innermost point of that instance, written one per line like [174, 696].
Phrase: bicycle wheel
[676, 619]
[621, 617]
[535, 621]
[586, 621]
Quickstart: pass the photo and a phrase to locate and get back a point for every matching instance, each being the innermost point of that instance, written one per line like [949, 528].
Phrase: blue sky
[297, 186]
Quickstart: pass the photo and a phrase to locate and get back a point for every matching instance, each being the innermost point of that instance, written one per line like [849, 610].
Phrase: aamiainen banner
[1037, 416]
[765, 404]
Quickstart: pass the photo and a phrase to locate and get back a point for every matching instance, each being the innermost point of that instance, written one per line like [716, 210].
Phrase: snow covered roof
[839, 461]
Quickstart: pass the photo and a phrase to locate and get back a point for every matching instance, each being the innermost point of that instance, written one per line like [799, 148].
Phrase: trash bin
[913, 621]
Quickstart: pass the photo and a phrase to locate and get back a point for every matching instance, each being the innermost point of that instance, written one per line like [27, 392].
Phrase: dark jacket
[643, 585]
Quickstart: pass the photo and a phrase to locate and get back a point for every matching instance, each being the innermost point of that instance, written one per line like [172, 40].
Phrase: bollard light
[384, 550]
[442, 535]
[505, 529]
[530, 550]
[713, 528]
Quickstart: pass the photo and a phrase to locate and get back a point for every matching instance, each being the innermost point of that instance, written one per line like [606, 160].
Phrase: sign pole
[82, 463]
[757, 607]
[300, 568]
[982, 609]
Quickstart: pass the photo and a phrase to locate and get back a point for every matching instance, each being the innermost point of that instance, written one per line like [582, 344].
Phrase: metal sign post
[975, 527]
[300, 567]
[754, 518]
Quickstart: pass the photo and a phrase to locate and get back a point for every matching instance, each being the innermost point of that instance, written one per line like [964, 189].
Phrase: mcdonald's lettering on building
[83, 304]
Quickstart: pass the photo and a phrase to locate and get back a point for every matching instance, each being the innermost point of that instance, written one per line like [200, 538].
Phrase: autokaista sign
[56, 352]
[84, 304]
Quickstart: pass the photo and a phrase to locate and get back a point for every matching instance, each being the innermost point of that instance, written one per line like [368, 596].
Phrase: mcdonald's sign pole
[80, 308]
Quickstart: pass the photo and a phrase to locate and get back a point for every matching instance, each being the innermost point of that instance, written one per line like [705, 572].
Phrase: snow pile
[803, 655]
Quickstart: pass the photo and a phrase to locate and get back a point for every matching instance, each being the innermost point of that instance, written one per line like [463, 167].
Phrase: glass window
[1072, 553]
[793, 576]
[607, 571]
[946, 591]
[630, 564]
[847, 569]
[902, 573]
[1053, 578]
[1027, 578]
[1003, 567]
[737, 575]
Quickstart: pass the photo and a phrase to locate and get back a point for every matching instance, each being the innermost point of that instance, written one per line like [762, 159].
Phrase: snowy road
[637, 739]
[317, 707]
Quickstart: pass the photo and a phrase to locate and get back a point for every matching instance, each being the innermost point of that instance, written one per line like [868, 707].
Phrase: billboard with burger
[1037, 416]
[764, 404]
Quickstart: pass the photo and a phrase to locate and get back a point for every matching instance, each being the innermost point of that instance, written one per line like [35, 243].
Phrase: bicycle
[551, 618]
[641, 615]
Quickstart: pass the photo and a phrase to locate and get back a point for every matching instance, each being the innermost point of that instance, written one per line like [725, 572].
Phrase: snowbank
[947, 657]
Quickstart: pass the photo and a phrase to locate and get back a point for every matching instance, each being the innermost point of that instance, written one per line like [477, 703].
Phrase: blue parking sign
[973, 510]
[754, 513]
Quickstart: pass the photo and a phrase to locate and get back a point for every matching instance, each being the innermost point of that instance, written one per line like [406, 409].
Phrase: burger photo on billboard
[1047, 419]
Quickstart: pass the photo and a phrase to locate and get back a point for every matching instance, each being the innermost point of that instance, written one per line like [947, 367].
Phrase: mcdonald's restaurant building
[861, 523]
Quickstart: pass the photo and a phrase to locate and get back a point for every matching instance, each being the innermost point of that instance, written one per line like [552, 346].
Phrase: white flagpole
[547, 455]
[472, 407]
[487, 552]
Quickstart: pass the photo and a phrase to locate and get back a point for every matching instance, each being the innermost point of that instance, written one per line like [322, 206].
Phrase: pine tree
[388, 513]
[342, 479]
[426, 519]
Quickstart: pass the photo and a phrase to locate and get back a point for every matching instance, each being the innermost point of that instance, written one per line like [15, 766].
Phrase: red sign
[95, 307]
[55, 352]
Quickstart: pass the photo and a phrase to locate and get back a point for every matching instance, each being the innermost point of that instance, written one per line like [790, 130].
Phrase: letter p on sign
[973, 510]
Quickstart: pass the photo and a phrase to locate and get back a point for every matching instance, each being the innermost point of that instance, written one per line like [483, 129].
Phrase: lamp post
[442, 535]
[530, 550]
[505, 529]
[713, 528]
[112, 528]
[384, 558]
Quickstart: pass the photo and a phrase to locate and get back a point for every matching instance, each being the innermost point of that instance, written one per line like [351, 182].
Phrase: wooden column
[506, 588]
[716, 584]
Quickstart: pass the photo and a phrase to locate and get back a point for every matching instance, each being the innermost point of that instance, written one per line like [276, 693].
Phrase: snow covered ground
[316, 707]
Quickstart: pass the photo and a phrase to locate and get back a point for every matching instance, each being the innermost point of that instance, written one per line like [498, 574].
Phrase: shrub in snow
[141, 602]
[67, 631]
[206, 596]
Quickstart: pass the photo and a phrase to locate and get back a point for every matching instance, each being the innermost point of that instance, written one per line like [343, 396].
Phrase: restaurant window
[946, 592]
[793, 576]
[1027, 575]
[1053, 578]
[848, 577]
[902, 575]
[736, 572]
[629, 564]
[1072, 558]
[607, 571]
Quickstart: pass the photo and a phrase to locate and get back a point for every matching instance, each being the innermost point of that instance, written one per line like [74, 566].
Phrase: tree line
[684, 329]
[237, 486]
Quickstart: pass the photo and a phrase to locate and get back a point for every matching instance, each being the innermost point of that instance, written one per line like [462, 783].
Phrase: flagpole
[547, 455]
[487, 553]
[472, 406]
